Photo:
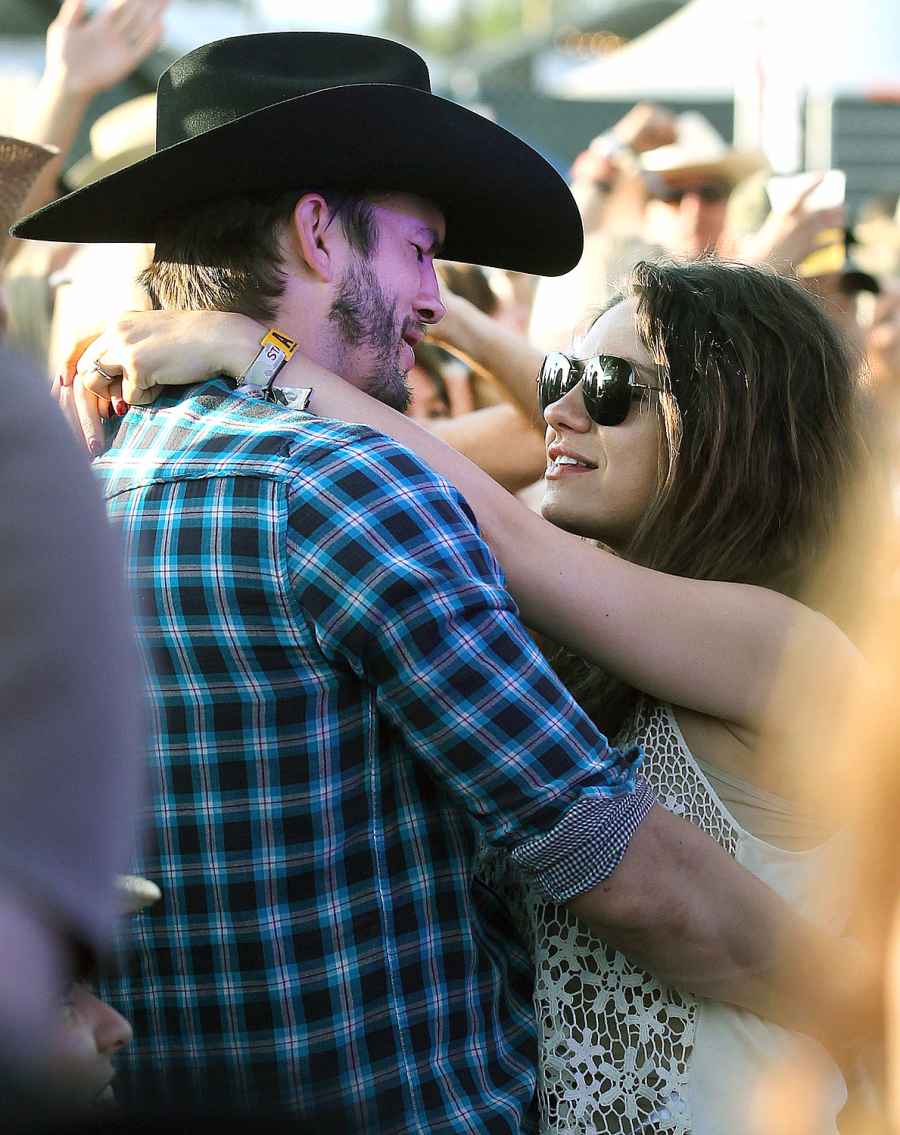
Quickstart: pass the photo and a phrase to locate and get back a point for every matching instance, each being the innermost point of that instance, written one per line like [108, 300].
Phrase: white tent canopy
[674, 59]
[710, 49]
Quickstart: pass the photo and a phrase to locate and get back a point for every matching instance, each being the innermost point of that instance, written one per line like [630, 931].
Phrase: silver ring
[99, 369]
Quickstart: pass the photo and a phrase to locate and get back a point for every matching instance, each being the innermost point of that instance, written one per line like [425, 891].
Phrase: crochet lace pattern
[615, 1042]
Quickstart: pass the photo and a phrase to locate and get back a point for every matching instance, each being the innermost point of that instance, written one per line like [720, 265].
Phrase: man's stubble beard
[366, 317]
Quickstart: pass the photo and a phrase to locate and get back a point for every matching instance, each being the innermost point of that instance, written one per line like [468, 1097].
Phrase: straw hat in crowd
[120, 137]
[699, 151]
[20, 164]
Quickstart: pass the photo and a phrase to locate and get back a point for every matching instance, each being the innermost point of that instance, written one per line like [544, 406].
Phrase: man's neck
[302, 314]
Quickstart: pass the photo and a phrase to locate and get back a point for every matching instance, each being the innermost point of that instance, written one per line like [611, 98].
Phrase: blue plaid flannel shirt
[344, 707]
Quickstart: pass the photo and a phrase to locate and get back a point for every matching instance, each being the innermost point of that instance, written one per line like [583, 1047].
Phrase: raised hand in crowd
[788, 236]
[85, 55]
[608, 161]
[645, 127]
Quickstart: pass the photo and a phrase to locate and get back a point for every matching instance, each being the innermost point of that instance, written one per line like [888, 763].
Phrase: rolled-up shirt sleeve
[404, 591]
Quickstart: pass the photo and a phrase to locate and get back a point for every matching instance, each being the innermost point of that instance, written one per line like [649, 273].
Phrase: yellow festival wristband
[275, 349]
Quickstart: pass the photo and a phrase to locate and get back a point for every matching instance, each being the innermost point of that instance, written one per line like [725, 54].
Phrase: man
[655, 184]
[685, 170]
[70, 762]
[71, 722]
[89, 49]
[89, 1032]
[688, 184]
[346, 705]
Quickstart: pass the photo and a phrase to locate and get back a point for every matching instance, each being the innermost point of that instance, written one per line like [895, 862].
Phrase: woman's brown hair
[759, 437]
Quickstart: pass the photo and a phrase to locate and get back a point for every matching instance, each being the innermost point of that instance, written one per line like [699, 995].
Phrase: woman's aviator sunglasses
[608, 385]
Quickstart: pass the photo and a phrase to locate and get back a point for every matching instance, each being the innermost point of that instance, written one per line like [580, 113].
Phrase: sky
[340, 15]
[343, 15]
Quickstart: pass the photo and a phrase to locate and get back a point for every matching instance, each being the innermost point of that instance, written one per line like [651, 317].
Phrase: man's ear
[315, 238]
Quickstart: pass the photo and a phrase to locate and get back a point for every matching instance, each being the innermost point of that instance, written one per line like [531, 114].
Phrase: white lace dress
[622, 1054]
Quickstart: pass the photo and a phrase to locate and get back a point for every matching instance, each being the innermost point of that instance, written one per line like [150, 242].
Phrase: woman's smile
[564, 462]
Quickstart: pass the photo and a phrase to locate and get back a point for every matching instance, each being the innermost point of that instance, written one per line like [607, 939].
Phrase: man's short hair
[226, 255]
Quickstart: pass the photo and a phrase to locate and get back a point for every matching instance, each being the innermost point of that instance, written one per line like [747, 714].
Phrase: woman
[706, 434]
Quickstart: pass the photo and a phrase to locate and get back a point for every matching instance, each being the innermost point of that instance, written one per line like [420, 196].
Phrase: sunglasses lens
[606, 384]
[554, 379]
[607, 390]
[710, 194]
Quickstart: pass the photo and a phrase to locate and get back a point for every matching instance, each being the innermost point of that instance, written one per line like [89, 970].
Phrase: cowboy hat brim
[505, 206]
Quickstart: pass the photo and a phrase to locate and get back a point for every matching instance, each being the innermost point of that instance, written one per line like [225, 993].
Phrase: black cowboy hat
[325, 110]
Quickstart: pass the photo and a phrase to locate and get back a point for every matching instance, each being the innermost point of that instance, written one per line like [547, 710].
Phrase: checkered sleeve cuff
[587, 844]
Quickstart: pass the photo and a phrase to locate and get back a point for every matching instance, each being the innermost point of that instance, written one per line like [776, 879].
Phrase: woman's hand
[82, 409]
[143, 351]
[147, 350]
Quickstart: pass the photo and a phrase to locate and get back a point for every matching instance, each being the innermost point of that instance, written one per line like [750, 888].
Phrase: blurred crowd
[657, 190]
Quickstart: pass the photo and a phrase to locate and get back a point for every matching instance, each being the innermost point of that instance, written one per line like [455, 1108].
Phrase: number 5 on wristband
[275, 349]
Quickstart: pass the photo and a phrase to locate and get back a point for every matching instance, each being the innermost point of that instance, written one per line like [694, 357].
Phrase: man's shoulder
[331, 447]
[214, 430]
[362, 464]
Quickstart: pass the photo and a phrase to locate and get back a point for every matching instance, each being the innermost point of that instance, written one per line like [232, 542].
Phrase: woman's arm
[712, 647]
[492, 349]
[499, 440]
